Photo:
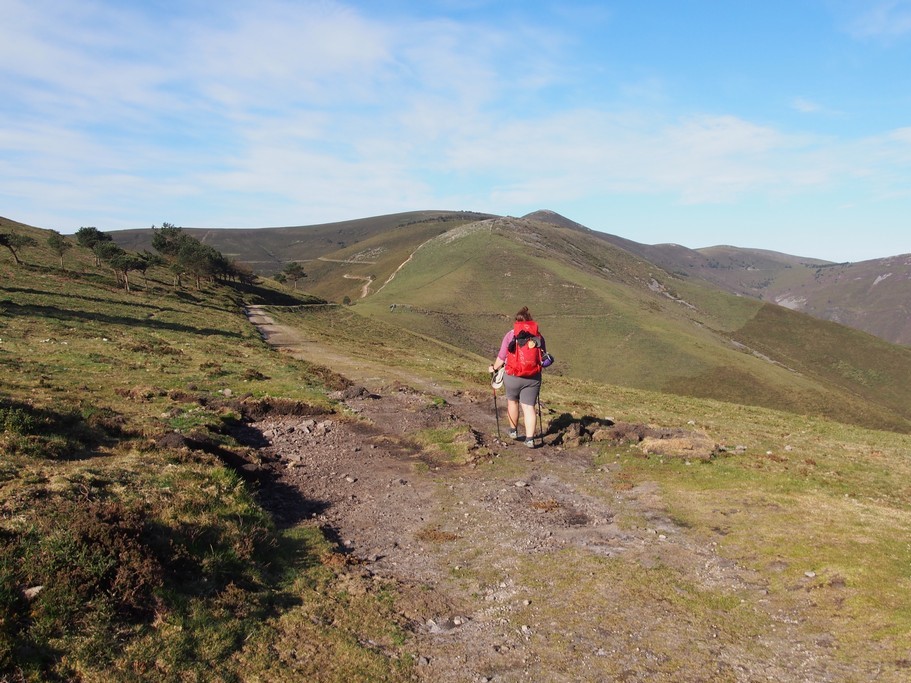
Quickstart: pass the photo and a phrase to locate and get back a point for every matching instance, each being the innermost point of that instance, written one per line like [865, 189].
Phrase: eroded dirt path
[515, 564]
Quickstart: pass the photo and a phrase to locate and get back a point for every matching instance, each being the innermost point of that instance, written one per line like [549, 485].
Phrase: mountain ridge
[870, 295]
[824, 289]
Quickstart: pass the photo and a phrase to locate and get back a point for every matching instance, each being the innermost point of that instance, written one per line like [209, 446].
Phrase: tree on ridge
[89, 237]
[59, 245]
[294, 272]
[15, 242]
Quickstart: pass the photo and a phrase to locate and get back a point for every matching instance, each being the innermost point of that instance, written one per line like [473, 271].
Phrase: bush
[41, 432]
[75, 580]
[17, 421]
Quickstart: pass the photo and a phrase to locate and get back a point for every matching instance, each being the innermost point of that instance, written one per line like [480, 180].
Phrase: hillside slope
[612, 317]
[133, 544]
[847, 293]
[267, 250]
[869, 295]
[182, 501]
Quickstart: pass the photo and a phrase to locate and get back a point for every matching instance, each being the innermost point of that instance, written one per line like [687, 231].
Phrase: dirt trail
[372, 374]
[503, 559]
[365, 290]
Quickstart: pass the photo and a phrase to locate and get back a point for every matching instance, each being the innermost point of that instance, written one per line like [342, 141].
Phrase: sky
[781, 125]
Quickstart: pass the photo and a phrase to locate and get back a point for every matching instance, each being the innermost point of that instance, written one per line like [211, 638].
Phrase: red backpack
[524, 357]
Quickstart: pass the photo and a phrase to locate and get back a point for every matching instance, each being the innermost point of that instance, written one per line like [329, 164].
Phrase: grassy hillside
[611, 317]
[357, 270]
[267, 250]
[132, 545]
[129, 553]
[869, 295]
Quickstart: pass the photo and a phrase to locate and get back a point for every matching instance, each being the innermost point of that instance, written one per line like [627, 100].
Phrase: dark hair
[523, 315]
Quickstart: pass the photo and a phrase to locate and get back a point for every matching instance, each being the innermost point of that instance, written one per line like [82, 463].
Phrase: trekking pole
[540, 419]
[496, 411]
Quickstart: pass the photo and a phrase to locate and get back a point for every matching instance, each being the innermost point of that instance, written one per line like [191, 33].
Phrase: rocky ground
[501, 553]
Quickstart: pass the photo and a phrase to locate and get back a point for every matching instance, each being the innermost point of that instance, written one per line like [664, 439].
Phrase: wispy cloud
[301, 112]
[811, 107]
[699, 159]
[806, 106]
[886, 19]
[289, 99]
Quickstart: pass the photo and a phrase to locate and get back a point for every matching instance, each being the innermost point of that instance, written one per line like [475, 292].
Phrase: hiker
[521, 352]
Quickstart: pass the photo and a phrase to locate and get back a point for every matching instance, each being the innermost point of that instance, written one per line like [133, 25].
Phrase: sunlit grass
[157, 564]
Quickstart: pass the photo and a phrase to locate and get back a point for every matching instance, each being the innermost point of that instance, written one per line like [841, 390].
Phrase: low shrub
[79, 576]
[42, 432]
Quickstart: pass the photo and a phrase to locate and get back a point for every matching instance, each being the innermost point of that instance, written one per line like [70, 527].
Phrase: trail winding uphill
[365, 290]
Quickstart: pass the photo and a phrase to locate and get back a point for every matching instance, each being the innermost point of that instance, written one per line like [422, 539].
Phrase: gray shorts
[522, 389]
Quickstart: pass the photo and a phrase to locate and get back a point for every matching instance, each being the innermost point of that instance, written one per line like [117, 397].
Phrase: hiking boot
[513, 433]
[530, 443]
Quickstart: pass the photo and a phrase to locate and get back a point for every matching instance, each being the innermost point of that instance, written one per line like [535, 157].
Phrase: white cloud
[280, 113]
[886, 19]
[699, 158]
[805, 106]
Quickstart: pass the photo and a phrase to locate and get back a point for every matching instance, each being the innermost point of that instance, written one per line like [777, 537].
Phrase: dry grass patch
[613, 619]
[436, 535]
[823, 522]
[545, 505]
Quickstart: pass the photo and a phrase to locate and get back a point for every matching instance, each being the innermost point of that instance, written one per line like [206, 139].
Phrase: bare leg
[512, 412]
[530, 418]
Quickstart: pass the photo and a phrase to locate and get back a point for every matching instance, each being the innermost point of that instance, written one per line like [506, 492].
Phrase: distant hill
[267, 250]
[871, 296]
[616, 318]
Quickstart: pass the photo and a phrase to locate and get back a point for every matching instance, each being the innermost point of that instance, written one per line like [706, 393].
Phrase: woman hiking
[522, 352]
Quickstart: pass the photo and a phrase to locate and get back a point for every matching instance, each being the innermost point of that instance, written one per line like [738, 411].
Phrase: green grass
[451, 444]
[159, 563]
[153, 563]
[806, 496]
[375, 340]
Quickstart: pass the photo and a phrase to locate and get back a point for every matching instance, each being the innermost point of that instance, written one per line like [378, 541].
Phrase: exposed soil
[495, 553]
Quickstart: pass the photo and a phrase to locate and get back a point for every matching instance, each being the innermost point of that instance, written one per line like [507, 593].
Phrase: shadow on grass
[255, 294]
[283, 502]
[183, 295]
[334, 536]
[83, 297]
[62, 435]
[33, 310]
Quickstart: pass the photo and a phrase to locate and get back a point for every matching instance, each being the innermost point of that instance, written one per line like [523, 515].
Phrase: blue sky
[782, 125]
